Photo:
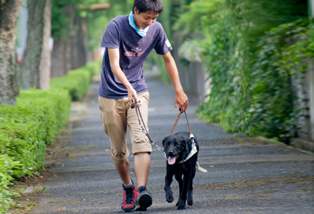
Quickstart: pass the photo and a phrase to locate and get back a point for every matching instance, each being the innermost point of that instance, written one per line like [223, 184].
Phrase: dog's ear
[187, 145]
[163, 142]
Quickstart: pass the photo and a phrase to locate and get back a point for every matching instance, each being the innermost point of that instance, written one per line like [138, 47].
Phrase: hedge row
[77, 81]
[27, 128]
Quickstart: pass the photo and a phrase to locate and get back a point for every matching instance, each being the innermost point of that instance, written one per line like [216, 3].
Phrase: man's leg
[123, 170]
[141, 148]
[141, 166]
[113, 116]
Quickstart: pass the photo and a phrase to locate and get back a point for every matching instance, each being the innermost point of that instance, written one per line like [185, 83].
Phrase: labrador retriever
[177, 148]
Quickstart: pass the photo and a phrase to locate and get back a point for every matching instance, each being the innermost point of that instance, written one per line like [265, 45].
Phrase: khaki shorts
[117, 115]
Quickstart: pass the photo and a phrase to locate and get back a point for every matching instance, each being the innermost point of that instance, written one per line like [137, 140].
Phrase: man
[128, 41]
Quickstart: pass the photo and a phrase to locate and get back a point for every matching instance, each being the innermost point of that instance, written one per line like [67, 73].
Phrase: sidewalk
[245, 175]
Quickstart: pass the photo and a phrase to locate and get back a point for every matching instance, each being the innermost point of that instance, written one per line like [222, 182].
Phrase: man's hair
[148, 5]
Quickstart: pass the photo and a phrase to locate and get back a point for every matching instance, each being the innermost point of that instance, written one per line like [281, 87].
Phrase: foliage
[61, 14]
[25, 131]
[191, 50]
[202, 11]
[6, 168]
[98, 20]
[29, 127]
[77, 81]
[283, 55]
[248, 89]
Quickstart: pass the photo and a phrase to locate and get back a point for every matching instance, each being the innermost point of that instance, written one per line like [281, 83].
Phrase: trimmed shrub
[25, 131]
[77, 81]
[27, 128]
[31, 125]
[6, 168]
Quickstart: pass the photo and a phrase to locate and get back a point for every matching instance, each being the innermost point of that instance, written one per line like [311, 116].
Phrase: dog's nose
[170, 153]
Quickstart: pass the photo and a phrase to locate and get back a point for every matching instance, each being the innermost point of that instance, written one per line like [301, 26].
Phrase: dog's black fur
[179, 145]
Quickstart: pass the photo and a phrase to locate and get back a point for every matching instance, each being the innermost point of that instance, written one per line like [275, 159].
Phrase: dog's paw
[169, 197]
[190, 200]
[180, 204]
[181, 207]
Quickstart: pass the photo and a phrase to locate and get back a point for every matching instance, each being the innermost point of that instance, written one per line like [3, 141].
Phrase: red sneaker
[129, 197]
[144, 198]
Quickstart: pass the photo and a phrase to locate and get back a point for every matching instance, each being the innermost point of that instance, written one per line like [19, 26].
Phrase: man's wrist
[179, 90]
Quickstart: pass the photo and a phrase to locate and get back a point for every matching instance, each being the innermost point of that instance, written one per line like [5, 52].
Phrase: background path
[245, 175]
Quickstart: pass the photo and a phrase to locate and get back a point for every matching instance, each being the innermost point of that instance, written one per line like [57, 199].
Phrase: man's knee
[119, 157]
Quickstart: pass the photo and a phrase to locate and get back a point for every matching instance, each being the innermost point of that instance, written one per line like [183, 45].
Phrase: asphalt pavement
[245, 175]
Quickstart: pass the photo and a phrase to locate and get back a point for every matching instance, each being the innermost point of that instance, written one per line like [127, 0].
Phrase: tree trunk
[62, 50]
[58, 58]
[45, 62]
[79, 43]
[34, 45]
[8, 83]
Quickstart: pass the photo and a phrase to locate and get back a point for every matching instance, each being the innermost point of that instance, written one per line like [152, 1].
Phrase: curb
[303, 144]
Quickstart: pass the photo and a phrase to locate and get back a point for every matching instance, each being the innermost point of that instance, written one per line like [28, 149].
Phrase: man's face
[144, 19]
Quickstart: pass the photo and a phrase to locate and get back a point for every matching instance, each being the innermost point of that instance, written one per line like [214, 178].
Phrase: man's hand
[182, 100]
[132, 95]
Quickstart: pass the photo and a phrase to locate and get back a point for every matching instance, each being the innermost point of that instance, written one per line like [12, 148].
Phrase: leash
[144, 129]
[192, 138]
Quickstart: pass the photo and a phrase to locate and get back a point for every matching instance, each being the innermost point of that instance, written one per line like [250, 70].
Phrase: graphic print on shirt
[136, 50]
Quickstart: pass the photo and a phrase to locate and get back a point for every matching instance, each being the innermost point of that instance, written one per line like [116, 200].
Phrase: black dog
[177, 148]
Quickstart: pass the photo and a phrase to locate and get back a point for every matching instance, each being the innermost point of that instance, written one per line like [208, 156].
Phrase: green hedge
[76, 82]
[25, 131]
[27, 128]
[251, 51]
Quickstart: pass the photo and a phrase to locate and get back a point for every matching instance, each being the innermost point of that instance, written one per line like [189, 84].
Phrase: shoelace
[129, 195]
[141, 189]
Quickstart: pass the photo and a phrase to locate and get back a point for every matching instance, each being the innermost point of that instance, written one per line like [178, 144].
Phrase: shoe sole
[128, 209]
[145, 200]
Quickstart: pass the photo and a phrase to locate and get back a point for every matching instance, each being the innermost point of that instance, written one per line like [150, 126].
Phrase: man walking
[128, 41]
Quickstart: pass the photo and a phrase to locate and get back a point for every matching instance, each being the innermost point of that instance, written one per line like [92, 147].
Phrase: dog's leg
[190, 188]
[168, 181]
[178, 176]
[183, 192]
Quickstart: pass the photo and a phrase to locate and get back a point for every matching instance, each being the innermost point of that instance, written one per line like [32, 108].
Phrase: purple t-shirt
[133, 49]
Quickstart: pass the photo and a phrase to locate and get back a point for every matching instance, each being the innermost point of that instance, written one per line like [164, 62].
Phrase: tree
[35, 67]
[8, 82]
[70, 20]
[45, 62]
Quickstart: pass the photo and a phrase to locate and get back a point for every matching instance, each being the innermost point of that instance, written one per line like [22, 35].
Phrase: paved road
[245, 175]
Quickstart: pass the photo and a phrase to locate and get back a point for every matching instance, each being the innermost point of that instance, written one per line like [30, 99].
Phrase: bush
[77, 81]
[27, 128]
[251, 50]
[6, 168]
[31, 125]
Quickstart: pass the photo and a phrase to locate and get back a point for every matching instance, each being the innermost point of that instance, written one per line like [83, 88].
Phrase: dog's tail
[200, 168]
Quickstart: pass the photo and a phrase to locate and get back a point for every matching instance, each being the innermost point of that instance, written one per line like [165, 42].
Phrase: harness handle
[178, 120]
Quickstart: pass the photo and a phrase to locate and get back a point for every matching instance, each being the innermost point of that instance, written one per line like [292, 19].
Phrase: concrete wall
[310, 88]
[194, 79]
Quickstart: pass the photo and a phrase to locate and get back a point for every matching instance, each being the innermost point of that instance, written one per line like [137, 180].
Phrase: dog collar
[193, 152]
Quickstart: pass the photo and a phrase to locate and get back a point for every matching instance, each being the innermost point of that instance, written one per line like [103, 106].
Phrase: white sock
[129, 185]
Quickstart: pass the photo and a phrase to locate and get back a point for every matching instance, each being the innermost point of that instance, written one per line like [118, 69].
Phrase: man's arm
[173, 73]
[114, 58]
